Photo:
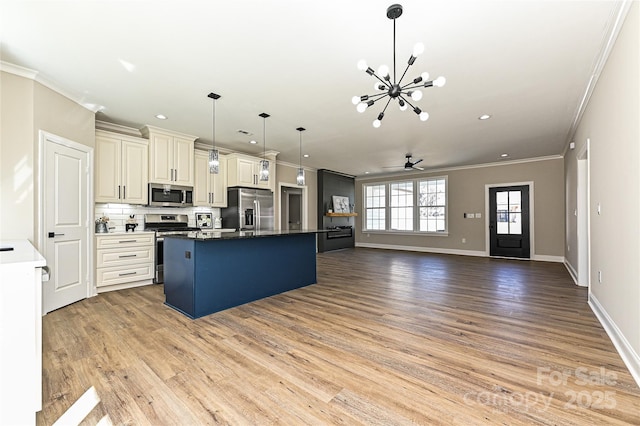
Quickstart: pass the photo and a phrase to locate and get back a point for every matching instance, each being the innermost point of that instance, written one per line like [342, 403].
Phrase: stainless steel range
[162, 225]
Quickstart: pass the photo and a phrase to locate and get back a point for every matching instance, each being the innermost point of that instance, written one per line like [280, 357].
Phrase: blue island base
[203, 276]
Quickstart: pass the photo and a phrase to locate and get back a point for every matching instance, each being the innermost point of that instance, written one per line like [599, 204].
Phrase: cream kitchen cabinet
[121, 168]
[244, 170]
[209, 189]
[124, 260]
[171, 156]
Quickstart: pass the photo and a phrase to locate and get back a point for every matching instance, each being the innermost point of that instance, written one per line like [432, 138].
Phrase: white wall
[611, 122]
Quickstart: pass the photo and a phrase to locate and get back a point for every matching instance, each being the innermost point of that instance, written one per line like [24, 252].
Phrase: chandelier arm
[408, 86]
[404, 73]
[404, 99]
[381, 80]
[378, 95]
[385, 107]
[382, 97]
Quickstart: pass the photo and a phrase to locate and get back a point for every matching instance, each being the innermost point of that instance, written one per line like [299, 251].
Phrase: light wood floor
[384, 338]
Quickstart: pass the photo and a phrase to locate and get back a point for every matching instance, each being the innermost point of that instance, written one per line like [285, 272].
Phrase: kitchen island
[206, 272]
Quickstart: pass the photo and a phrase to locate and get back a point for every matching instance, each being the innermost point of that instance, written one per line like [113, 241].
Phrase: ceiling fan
[409, 165]
[412, 165]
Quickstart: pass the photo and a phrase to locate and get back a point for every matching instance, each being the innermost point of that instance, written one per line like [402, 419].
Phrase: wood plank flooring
[385, 337]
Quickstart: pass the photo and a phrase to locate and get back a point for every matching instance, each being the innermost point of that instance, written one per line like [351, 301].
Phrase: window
[402, 206]
[375, 203]
[433, 203]
[417, 205]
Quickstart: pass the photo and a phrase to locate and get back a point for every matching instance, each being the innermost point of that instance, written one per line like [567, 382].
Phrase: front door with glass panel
[509, 221]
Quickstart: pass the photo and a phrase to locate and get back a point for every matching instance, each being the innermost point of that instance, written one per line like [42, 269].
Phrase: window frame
[416, 207]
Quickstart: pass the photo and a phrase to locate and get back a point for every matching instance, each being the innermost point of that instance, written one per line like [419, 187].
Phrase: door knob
[53, 234]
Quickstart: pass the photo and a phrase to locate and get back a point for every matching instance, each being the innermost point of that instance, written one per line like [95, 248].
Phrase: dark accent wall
[333, 183]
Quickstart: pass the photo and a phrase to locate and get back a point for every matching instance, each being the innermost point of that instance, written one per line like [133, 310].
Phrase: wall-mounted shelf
[341, 214]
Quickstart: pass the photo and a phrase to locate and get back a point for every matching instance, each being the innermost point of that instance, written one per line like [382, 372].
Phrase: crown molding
[451, 169]
[18, 70]
[37, 77]
[616, 21]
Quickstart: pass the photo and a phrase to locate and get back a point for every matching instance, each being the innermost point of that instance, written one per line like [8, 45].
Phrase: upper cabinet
[121, 171]
[209, 189]
[244, 170]
[171, 156]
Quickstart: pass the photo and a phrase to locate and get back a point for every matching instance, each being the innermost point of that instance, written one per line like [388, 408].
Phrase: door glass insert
[509, 212]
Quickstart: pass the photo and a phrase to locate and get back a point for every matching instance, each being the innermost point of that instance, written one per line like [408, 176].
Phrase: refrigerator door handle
[257, 215]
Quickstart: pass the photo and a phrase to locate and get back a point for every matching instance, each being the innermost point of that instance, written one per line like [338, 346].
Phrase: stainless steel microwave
[170, 195]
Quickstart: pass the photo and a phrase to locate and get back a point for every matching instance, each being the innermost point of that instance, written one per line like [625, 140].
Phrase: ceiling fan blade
[418, 168]
[417, 161]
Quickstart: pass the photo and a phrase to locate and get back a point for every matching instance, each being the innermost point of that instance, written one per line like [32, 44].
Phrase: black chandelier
[394, 89]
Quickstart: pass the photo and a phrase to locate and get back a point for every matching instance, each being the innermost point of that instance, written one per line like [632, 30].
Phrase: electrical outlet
[464, 241]
[598, 208]
[600, 277]
[471, 215]
[568, 247]
[478, 215]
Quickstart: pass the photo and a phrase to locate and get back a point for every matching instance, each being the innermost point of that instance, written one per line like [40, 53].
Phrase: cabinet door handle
[124, 192]
[128, 273]
[128, 255]
[127, 241]
[118, 192]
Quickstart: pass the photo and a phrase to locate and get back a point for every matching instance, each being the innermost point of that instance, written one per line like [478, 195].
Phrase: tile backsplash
[119, 213]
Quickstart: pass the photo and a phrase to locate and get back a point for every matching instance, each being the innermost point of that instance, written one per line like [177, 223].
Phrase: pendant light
[300, 177]
[264, 163]
[388, 87]
[214, 155]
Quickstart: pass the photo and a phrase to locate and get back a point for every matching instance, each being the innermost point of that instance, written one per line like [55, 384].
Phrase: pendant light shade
[214, 155]
[300, 176]
[264, 163]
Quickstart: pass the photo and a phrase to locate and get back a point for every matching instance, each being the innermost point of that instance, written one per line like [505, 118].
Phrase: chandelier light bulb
[361, 107]
[418, 49]
[440, 81]
[416, 95]
[376, 123]
[425, 76]
[362, 65]
[383, 71]
[403, 105]
[355, 100]
[424, 116]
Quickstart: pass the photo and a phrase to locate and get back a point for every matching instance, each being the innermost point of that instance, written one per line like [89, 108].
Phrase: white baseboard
[626, 351]
[423, 249]
[547, 258]
[572, 271]
[539, 257]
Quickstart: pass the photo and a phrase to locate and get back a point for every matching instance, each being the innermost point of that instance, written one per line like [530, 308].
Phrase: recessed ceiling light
[306, 155]
[504, 155]
[484, 117]
[253, 142]
[161, 117]
[366, 173]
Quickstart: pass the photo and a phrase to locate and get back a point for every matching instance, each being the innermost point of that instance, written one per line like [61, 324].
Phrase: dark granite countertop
[213, 235]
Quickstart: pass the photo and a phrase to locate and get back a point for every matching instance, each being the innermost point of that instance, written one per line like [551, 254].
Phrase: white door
[65, 196]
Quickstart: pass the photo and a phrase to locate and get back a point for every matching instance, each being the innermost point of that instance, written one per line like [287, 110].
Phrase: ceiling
[526, 63]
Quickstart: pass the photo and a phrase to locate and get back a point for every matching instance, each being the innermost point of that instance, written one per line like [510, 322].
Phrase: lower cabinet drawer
[128, 256]
[120, 275]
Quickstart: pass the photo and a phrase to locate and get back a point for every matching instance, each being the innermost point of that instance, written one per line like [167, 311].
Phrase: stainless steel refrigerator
[248, 209]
